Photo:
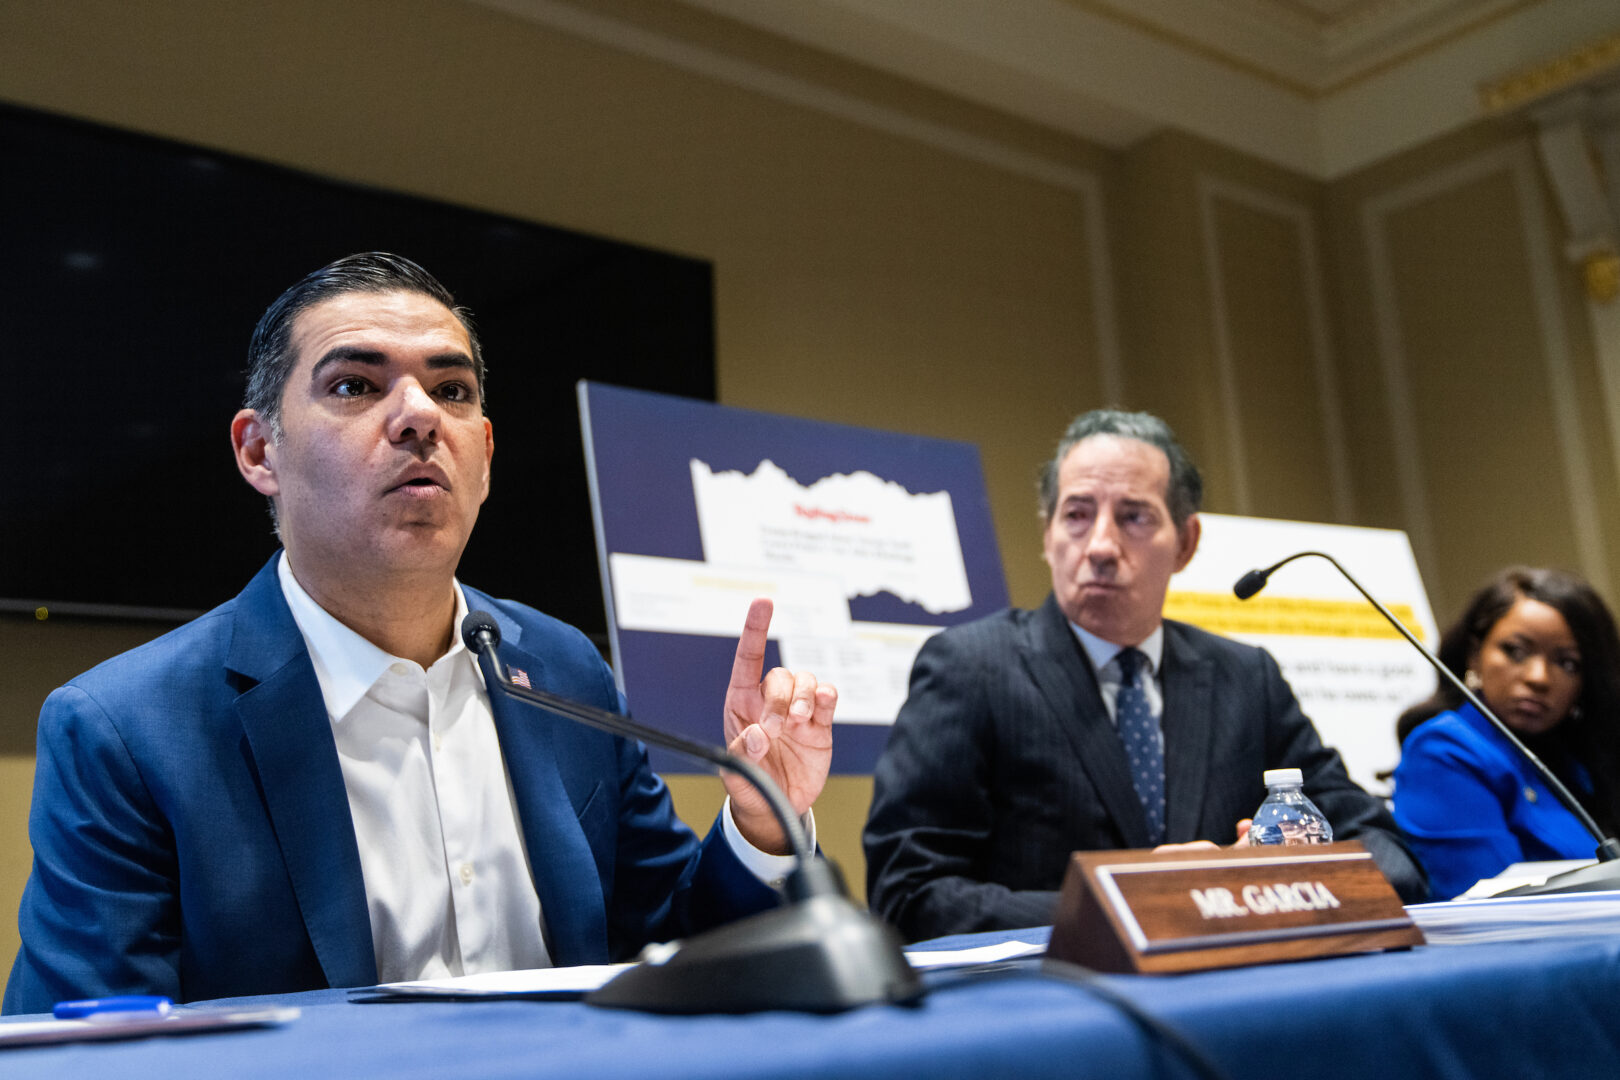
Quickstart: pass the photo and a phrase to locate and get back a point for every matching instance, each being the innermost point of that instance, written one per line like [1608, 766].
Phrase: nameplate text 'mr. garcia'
[1182, 911]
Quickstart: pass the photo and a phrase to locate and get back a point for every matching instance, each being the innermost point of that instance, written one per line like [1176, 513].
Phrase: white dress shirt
[447, 876]
[1103, 654]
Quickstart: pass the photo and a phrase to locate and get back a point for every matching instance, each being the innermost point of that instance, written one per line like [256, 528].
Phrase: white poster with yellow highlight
[1352, 672]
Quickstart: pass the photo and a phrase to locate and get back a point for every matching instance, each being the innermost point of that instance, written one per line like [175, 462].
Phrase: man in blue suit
[309, 786]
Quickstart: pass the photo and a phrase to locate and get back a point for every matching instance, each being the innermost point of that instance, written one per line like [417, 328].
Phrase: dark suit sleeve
[667, 885]
[100, 914]
[663, 884]
[1292, 743]
[929, 834]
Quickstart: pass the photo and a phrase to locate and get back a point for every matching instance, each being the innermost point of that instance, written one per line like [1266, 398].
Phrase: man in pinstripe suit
[1091, 722]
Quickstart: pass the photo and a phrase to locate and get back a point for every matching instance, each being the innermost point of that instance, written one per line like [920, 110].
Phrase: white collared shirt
[1103, 654]
[448, 881]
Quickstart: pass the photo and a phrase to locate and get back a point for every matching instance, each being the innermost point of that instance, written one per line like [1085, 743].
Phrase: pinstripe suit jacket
[1004, 760]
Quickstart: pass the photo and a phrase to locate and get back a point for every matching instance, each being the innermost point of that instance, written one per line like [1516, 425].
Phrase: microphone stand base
[820, 955]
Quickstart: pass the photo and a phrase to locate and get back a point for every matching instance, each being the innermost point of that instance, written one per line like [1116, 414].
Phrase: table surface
[1521, 1009]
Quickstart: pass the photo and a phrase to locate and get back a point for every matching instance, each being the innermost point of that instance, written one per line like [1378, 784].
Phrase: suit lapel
[560, 857]
[284, 718]
[1061, 671]
[1188, 716]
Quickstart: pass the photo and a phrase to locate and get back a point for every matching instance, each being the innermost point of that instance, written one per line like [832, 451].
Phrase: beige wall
[890, 257]
[1470, 369]
[1226, 336]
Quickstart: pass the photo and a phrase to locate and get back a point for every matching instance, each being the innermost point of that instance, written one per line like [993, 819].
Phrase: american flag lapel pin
[519, 677]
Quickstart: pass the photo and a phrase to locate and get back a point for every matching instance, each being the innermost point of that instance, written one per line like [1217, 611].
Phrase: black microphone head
[476, 626]
[1248, 584]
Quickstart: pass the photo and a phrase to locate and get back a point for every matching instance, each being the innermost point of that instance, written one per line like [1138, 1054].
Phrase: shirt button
[438, 743]
[399, 669]
[466, 873]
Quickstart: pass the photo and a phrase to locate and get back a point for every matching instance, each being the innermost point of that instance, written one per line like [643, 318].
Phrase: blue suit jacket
[1471, 806]
[192, 836]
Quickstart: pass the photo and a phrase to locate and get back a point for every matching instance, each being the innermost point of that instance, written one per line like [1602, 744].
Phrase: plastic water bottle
[1287, 816]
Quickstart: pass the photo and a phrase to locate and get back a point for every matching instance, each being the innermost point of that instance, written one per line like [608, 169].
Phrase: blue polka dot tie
[1139, 731]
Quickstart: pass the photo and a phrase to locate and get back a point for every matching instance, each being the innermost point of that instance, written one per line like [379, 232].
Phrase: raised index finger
[749, 666]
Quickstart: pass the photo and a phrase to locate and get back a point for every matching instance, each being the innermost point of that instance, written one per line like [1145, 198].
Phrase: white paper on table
[1522, 873]
[182, 1020]
[982, 954]
[1513, 918]
[531, 982]
[576, 981]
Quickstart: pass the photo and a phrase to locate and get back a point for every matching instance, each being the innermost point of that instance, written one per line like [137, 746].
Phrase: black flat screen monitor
[132, 271]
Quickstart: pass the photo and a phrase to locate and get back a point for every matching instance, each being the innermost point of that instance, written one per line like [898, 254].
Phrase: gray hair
[1185, 490]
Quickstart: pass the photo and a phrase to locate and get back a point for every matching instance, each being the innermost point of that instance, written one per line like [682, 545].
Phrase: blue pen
[123, 1007]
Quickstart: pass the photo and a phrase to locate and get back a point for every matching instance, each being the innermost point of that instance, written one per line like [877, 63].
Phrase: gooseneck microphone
[482, 635]
[817, 953]
[1606, 874]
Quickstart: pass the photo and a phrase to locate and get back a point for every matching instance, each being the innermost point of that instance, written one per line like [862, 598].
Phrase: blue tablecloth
[1521, 1009]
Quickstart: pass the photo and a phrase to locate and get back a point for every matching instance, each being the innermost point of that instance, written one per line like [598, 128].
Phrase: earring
[1472, 680]
[1574, 714]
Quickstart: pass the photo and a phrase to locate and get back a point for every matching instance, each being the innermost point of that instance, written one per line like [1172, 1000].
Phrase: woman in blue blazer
[1540, 648]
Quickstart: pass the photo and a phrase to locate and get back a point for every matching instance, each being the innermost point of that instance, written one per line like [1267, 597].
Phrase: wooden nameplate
[1136, 911]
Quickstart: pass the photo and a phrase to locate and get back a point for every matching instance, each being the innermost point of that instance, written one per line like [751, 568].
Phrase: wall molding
[1100, 266]
[711, 63]
[1517, 161]
[1324, 363]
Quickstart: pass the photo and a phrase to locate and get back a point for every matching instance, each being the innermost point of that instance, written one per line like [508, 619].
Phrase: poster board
[1352, 672]
[868, 542]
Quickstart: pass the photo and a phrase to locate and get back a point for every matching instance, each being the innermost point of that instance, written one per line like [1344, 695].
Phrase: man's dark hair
[1185, 491]
[270, 354]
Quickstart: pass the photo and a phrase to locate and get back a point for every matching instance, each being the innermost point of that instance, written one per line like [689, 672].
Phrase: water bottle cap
[1273, 777]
